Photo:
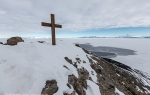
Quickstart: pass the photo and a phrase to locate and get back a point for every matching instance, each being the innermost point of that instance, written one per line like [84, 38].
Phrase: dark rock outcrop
[112, 75]
[78, 60]
[83, 76]
[66, 67]
[70, 61]
[84, 61]
[73, 93]
[77, 45]
[14, 40]
[41, 41]
[1, 43]
[50, 87]
[68, 85]
[77, 84]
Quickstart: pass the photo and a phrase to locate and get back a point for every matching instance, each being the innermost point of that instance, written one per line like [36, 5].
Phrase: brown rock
[92, 72]
[68, 85]
[14, 40]
[66, 94]
[79, 89]
[78, 60]
[77, 45]
[84, 61]
[68, 60]
[77, 84]
[111, 76]
[72, 80]
[86, 51]
[75, 64]
[83, 73]
[83, 76]
[90, 79]
[66, 67]
[73, 93]
[50, 87]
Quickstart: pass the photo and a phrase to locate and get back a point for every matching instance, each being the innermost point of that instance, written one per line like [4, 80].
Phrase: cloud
[2, 12]
[73, 15]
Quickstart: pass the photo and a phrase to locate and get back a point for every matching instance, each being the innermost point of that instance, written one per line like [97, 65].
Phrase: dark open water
[107, 52]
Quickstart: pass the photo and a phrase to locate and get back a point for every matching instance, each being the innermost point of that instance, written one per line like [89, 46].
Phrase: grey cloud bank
[73, 15]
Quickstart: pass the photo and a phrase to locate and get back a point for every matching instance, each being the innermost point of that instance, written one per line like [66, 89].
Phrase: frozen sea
[134, 52]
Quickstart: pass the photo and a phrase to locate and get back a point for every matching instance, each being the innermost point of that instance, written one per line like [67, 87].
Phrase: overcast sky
[24, 17]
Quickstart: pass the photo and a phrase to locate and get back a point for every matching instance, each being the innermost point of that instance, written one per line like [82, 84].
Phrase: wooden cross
[52, 25]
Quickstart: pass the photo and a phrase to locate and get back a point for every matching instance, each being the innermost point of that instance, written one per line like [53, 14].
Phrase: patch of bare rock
[79, 83]
[50, 87]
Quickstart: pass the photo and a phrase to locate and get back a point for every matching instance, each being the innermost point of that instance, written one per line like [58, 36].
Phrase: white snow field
[24, 68]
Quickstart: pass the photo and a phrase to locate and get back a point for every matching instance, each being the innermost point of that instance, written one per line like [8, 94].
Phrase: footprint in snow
[9, 69]
[2, 61]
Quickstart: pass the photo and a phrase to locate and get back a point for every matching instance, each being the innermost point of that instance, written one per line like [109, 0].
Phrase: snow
[92, 89]
[24, 68]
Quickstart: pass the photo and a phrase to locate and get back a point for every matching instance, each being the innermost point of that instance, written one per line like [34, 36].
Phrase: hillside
[65, 68]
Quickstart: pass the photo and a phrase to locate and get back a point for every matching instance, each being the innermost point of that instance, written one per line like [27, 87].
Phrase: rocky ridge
[111, 75]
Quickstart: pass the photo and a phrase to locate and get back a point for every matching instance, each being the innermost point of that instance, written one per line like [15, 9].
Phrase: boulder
[14, 40]
[50, 87]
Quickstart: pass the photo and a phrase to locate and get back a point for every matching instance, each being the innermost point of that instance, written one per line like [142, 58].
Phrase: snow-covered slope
[24, 68]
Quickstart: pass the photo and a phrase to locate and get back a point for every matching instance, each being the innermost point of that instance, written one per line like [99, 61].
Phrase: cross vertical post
[53, 29]
[52, 25]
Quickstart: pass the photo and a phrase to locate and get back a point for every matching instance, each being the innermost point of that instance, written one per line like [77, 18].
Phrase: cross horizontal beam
[50, 25]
